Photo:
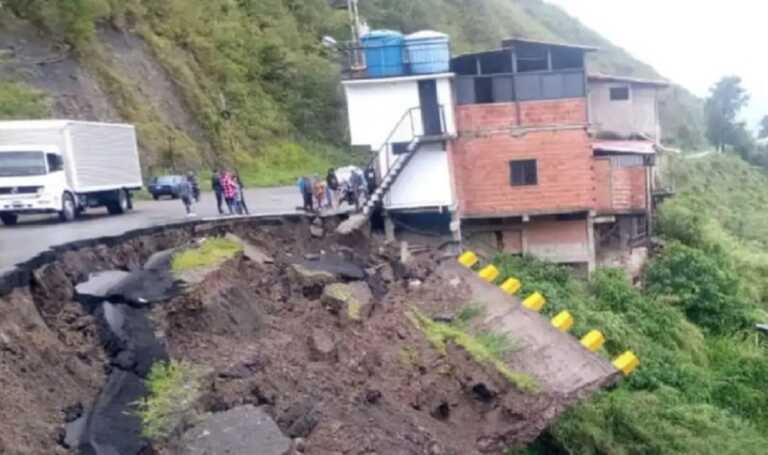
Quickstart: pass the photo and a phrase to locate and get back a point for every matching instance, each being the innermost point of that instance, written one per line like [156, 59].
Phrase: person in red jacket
[230, 189]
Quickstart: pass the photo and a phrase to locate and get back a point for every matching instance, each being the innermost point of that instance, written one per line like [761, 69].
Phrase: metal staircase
[395, 169]
[389, 179]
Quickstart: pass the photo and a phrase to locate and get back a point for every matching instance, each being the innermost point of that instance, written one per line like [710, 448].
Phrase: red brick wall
[565, 174]
[619, 189]
[474, 118]
[629, 189]
[603, 185]
[546, 232]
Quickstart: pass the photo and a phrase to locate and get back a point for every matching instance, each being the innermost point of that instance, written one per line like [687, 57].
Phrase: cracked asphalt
[35, 234]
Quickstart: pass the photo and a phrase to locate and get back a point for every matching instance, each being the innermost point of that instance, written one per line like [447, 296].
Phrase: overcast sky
[691, 42]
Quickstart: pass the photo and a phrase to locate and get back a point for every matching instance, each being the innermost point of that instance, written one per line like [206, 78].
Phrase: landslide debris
[316, 335]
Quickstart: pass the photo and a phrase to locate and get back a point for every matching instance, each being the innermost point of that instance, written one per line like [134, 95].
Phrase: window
[523, 173]
[55, 162]
[620, 93]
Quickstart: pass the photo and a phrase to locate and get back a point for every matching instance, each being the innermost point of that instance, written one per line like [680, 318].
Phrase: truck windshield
[20, 164]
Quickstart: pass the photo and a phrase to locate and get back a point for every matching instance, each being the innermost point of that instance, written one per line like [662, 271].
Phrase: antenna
[358, 60]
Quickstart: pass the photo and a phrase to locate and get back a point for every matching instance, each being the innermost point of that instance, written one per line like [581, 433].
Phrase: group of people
[227, 187]
[331, 192]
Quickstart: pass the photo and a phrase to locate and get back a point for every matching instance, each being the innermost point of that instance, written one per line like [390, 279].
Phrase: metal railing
[415, 131]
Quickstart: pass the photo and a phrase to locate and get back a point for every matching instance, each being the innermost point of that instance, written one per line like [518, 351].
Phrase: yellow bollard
[535, 302]
[511, 286]
[563, 321]
[627, 363]
[593, 341]
[468, 259]
[489, 273]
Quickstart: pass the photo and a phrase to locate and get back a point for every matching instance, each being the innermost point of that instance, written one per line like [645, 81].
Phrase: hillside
[701, 386]
[247, 81]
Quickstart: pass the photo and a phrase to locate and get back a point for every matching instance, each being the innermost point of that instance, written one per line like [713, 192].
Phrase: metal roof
[630, 80]
[625, 147]
[509, 42]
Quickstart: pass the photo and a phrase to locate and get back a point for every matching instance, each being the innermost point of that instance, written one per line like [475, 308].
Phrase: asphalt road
[35, 234]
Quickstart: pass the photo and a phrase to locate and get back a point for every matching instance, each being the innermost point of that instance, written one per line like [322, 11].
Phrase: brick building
[542, 159]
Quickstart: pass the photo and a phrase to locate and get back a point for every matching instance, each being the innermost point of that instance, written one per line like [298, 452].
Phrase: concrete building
[625, 108]
[529, 153]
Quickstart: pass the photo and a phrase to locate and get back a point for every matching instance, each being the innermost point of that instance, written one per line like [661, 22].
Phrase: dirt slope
[341, 375]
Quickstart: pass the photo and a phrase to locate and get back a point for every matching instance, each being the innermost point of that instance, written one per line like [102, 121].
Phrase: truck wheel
[68, 209]
[9, 219]
[119, 204]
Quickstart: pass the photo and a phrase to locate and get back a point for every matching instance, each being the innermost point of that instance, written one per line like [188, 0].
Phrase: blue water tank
[384, 53]
[428, 52]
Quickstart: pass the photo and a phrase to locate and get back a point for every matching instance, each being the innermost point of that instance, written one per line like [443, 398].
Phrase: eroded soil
[338, 381]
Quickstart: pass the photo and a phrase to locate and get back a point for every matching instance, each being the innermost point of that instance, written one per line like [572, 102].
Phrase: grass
[211, 253]
[484, 349]
[175, 389]
[19, 101]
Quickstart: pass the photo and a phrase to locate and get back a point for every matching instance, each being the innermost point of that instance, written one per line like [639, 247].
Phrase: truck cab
[32, 180]
[65, 167]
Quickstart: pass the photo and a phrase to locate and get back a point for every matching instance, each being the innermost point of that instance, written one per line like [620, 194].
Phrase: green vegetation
[175, 389]
[18, 101]
[265, 91]
[700, 388]
[211, 253]
[485, 348]
[252, 72]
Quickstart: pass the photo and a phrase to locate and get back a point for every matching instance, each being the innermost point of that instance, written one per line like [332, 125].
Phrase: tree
[763, 128]
[727, 99]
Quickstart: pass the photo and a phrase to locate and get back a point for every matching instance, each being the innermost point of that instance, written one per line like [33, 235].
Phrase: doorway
[430, 108]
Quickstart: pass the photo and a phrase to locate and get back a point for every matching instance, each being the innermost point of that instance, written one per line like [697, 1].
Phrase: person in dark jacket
[305, 187]
[370, 179]
[217, 190]
[331, 187]
[243, 205]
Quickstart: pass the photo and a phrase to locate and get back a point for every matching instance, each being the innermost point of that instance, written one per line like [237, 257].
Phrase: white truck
[65, 167]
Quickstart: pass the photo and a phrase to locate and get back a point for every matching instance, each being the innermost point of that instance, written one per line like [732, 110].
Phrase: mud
[334, 379]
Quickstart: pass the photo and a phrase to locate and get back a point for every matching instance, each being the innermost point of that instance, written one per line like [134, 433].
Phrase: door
[430, 108]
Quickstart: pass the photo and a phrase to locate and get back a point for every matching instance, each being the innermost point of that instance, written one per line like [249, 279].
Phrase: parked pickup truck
[65, 167]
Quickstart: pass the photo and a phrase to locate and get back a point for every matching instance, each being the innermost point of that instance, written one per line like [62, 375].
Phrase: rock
[455, 282]
[405, 253]
[300, 419]
[299, 445]
[337, 266]
[446, 317]
[307, 276]
[251, 252]
[322, 347]
[414, 284]
[243, 430]
[99, 286]
[372, 396]
[353, 301]
[352, 224]
[316, 231]
[72, 413]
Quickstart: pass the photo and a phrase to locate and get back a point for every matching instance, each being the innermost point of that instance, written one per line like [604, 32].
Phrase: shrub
[174, 391]
[703, 284]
